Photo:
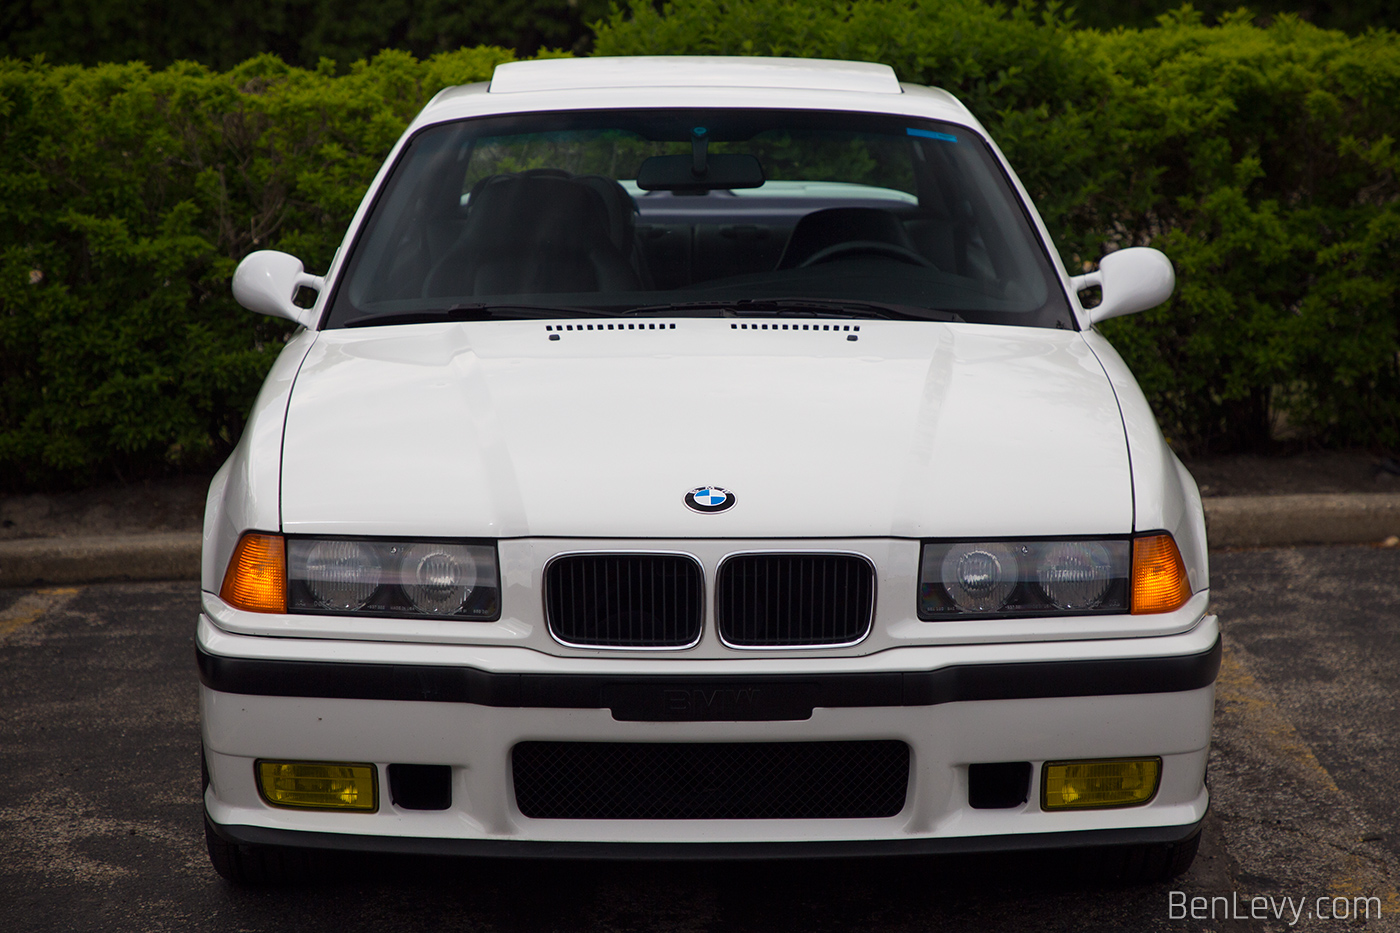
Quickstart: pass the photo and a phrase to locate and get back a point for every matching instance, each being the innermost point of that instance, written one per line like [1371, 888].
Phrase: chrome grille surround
[843, 572]
[574, 576]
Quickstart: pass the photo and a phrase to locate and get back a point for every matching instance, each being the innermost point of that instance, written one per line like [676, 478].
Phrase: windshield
[699, 212]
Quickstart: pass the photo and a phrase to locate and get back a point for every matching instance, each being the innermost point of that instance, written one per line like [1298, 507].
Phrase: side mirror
[267, 281]
[1132, 279]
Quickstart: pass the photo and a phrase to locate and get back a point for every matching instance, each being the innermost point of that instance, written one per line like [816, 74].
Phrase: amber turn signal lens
[1159, 576]
[256, 579]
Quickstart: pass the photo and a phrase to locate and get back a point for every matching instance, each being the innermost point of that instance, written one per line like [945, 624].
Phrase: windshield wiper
[473, 312]
[801, 307]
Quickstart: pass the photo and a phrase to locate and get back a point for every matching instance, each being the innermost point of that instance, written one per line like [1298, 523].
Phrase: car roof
[813, 74]
[677, 81]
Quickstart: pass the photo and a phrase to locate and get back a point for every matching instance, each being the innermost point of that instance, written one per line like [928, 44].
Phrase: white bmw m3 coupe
[702, 458]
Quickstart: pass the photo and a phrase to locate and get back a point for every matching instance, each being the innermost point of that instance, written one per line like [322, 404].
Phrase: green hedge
[222, 34]
[127, 197]
[1350, 15]
[1259, 159]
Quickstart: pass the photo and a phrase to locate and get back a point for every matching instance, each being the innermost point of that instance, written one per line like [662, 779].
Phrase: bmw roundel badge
[709, 499]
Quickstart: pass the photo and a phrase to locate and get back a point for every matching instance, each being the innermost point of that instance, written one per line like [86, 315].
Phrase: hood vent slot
[555, 330]
[833, 328]
[852, 331]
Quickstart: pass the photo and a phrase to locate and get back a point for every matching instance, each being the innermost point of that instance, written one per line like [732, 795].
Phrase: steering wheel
[864, 247]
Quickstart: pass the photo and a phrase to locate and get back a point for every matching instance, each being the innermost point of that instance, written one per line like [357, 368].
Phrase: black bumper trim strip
[959, 683]
[703, 851]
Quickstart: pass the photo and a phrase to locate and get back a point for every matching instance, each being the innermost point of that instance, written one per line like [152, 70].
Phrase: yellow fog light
[1088, 785]
[319, 785]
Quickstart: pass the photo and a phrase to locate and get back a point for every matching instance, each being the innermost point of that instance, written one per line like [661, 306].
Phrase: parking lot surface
[100, 818]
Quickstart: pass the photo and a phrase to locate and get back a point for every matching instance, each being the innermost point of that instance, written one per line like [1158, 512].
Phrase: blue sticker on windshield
[930, 134]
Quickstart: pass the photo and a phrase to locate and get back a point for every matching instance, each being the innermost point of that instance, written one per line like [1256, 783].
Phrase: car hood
[869, 428]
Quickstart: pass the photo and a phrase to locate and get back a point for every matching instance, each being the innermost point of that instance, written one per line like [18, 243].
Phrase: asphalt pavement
[100, 819]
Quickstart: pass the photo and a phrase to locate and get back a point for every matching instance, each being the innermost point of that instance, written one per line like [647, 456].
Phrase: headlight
[1057, 576]
[338, 575]
[439, 578]
[373, 576]
[1075, 575]
[979, 577]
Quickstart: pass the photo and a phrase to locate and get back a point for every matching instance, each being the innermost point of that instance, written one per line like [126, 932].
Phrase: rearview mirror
[267, 281]
[679, 173]
[1132, 279]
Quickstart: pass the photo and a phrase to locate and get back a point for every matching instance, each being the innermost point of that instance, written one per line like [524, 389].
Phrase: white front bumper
[476, 741]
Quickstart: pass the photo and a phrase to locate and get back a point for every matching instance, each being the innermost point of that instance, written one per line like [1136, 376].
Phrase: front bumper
[704, 851]
[468, 709]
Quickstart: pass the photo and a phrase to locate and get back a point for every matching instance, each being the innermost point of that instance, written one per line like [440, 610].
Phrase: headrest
[536, 210]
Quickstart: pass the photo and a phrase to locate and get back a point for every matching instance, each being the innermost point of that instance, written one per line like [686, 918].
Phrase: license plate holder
[701, 701]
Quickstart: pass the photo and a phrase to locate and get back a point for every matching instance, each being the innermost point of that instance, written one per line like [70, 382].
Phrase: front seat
[535, 232]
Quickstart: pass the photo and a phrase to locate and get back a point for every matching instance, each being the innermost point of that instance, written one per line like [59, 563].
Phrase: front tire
[253, 866]
[257, 866]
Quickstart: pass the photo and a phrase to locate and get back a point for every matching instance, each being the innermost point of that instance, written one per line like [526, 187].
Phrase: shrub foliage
[1259, 158]
[221, 34]
[127, 198]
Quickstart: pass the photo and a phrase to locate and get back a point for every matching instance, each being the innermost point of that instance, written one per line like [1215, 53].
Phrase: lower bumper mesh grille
[710, 781]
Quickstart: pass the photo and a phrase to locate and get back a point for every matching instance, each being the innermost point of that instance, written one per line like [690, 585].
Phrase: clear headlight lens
[1075, 574]
[438, 578]
[981, 579]
[339, 575]
[371, 576]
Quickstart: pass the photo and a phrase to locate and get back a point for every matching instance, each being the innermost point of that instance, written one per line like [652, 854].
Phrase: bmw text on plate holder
[709, 499]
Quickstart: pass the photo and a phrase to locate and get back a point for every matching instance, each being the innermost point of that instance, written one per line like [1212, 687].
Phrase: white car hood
[505, 429]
